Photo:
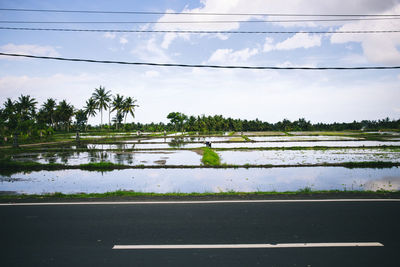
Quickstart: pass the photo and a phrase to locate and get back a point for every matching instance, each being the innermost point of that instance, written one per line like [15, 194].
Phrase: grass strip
[120, 194]
[210, 158]
[246, 138]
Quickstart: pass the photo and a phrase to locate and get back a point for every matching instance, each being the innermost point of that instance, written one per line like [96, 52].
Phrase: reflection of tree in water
[50, 157]
[123, 158]
[82, 146]
[121, 146]
[92, 155]
[103, 155]
[119, 158]
[64, 156]
[177, 142]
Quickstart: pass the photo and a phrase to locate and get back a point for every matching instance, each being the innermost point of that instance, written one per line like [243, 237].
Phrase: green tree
[81, 119]
[48, 110]
[118, 105]
[102, 98]
[129, 107]
[63, 114]
[90, 108]
[26, 107]
[177, 119]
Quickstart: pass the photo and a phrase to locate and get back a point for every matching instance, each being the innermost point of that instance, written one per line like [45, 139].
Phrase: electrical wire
[194, 22]
[201, 66]
[198, 32]
[194, 13]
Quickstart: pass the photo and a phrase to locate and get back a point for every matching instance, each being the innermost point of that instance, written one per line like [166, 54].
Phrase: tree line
[182, 122]
[23, 117]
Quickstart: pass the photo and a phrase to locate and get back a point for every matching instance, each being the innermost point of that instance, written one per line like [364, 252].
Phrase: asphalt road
[84, 235]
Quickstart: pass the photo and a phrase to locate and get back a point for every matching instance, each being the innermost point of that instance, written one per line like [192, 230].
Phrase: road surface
[87, 234]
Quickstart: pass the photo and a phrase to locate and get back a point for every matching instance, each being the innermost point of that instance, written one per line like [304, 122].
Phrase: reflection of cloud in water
[386, 183]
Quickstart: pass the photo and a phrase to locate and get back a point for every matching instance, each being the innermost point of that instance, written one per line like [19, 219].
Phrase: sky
[269, 95]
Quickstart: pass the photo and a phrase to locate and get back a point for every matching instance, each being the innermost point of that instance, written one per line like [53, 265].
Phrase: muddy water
[202, 180]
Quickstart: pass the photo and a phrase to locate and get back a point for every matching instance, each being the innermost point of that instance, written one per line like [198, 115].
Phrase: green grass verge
[210, 157]
[121, 194]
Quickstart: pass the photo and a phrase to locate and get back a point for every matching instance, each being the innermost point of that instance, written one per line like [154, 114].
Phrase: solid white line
[236, 246]
[194, 202]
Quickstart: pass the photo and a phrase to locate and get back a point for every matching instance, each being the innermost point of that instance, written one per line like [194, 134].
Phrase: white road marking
[194, 202]
[236, 246]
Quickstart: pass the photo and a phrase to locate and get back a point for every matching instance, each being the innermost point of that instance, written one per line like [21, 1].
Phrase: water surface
[203, 180]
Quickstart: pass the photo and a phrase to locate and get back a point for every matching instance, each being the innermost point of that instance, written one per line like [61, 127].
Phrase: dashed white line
[247, 246]
[194, 202]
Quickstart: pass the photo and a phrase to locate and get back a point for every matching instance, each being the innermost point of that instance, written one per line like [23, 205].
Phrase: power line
[194, 13]
[196, 32]
[195, 22]
[201, 66]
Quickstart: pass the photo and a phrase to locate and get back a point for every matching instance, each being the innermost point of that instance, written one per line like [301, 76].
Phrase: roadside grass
[305, 192]
[210, 158]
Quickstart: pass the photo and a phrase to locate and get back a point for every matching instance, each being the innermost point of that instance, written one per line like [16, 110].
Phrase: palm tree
[102, 98]
[64, 113]
[90, 107]
[118, 105]
[129, 107]
[26, 107]
[49, 108]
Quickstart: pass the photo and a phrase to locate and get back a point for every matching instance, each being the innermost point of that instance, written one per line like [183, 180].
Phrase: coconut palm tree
[129, 107]
[49, 108]
[90, 107]
[118, 105]
[102, 98]
[26, 107]
[64, 113]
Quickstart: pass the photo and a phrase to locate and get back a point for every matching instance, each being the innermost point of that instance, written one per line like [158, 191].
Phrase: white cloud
[230, 56]
[287, 64]
[109, 35]
[261, 6]
[299, 40]
[168, 38]
[123, 40]
[149, 50]
[151, 74]
[36, 50]
[377, 48]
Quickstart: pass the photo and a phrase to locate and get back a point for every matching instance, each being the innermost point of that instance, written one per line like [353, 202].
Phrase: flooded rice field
[301, 157]
[301, 138]
[162, 145]
[169, 157]
[307, 144]
[202, 180]
[175, 150]
[231, 157]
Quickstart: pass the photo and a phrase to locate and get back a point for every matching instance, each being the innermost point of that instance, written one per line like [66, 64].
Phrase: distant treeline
[180, 121]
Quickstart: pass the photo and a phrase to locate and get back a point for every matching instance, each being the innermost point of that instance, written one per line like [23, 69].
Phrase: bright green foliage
[210, 157]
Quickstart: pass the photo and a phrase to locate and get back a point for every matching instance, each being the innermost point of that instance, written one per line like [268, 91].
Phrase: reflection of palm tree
[102, 98]
[129, 107]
